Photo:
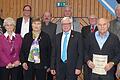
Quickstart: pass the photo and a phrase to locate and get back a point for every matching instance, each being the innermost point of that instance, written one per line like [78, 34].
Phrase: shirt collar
[6, 34]
[106, 34]
[67, 32]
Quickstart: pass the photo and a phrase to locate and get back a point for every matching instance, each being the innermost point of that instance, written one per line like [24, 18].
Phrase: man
[86, 30]
[90, 28]
[67, 58]
[23, 24]
[50, 28]
[102, 43]
[115, 28]
[75, 25]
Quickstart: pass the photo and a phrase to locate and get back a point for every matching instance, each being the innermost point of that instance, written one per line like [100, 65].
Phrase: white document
[100, 61]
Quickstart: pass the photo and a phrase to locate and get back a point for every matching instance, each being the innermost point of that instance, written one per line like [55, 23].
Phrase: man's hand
[53, 72]
[109, 66]
[90, 64]
[77, 71]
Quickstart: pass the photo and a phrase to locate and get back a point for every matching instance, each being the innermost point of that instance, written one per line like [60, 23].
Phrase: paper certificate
[100, 61]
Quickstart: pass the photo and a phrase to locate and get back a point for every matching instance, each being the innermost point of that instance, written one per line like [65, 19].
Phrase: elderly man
[115, 28]
[86, 30]
[67, 58]
[50, 28]
[102, 52]
[75, 25]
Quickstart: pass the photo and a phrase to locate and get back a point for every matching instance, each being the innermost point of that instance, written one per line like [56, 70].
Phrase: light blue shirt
[101, 39]
[62, 41]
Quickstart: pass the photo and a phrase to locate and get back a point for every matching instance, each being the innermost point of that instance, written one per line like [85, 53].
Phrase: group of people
[36, 48]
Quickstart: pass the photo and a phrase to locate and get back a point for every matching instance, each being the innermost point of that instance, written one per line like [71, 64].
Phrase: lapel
[70, 40]
[105, 44]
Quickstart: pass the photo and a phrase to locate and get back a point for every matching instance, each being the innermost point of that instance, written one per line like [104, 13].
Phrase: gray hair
[66, 18]
[10, 21]
[118, 6]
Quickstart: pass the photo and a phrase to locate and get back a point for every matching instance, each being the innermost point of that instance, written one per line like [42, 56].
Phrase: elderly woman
[10, 44]
[35, 52]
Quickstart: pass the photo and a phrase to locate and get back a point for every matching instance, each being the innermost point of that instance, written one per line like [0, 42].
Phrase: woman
[10, 45]
[35, 52]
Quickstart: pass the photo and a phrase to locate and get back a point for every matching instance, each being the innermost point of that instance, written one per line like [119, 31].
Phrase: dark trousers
[49, 76]
[102, 77]
[35, 71]
[64, 74]
[10, 74]
[86, 72]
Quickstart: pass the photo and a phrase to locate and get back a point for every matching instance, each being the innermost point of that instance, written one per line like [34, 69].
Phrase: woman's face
[9, 27]
[36, 26]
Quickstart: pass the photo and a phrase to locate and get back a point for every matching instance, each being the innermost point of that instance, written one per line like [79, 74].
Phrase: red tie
[92, 29]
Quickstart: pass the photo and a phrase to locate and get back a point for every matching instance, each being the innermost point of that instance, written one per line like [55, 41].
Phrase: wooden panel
[80, 8]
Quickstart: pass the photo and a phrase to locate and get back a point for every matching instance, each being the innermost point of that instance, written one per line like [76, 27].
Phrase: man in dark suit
[50, 29]
[104, 45]
[24, 24]
[86, 30]
[67, 57]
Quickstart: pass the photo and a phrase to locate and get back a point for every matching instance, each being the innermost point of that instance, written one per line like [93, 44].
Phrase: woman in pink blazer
[10, 44]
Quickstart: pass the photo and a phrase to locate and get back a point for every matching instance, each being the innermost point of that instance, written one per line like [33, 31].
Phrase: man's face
[47, 17]
[118, 12]
[66, 25]
[102, 25]
[93, 21]
[67, 12]
[27, 11]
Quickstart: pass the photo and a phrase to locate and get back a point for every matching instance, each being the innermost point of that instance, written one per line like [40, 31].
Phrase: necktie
[64, 52]
[92, 29]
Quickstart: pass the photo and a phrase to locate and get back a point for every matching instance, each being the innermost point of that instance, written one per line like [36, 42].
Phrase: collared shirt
[101, 39]
[62, 41]
[6, 35]
[24, 27]
[72, 23]
[94, 27]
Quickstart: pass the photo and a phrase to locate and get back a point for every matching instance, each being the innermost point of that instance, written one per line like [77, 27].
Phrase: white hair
[10, 21]
[66, 18]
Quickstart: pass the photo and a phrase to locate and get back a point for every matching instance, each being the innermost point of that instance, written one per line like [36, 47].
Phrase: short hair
[66, 18]
[92, 16]
[27, 6]
[117, 6]
[36, 19]
[10, 21]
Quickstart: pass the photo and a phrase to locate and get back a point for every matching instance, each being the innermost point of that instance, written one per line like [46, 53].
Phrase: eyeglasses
[26, 10]
[66, 23]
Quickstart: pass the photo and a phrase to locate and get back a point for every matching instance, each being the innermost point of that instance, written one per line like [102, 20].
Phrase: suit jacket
[45, 48]
[111, 48]
[87, 30]
[19, 25]
[50, 29]
[5, 50]
[74, 52]
[115, 27]
[76, 25]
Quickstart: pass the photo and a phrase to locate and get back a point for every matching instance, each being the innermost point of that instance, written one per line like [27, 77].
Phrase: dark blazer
[86, 30]
[50, 29]
[74, 52]
[111, 48]
[19, 25]
[44, 44]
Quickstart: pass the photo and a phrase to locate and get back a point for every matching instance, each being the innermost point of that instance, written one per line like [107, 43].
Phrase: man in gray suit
[115, 28]
[75, 21]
